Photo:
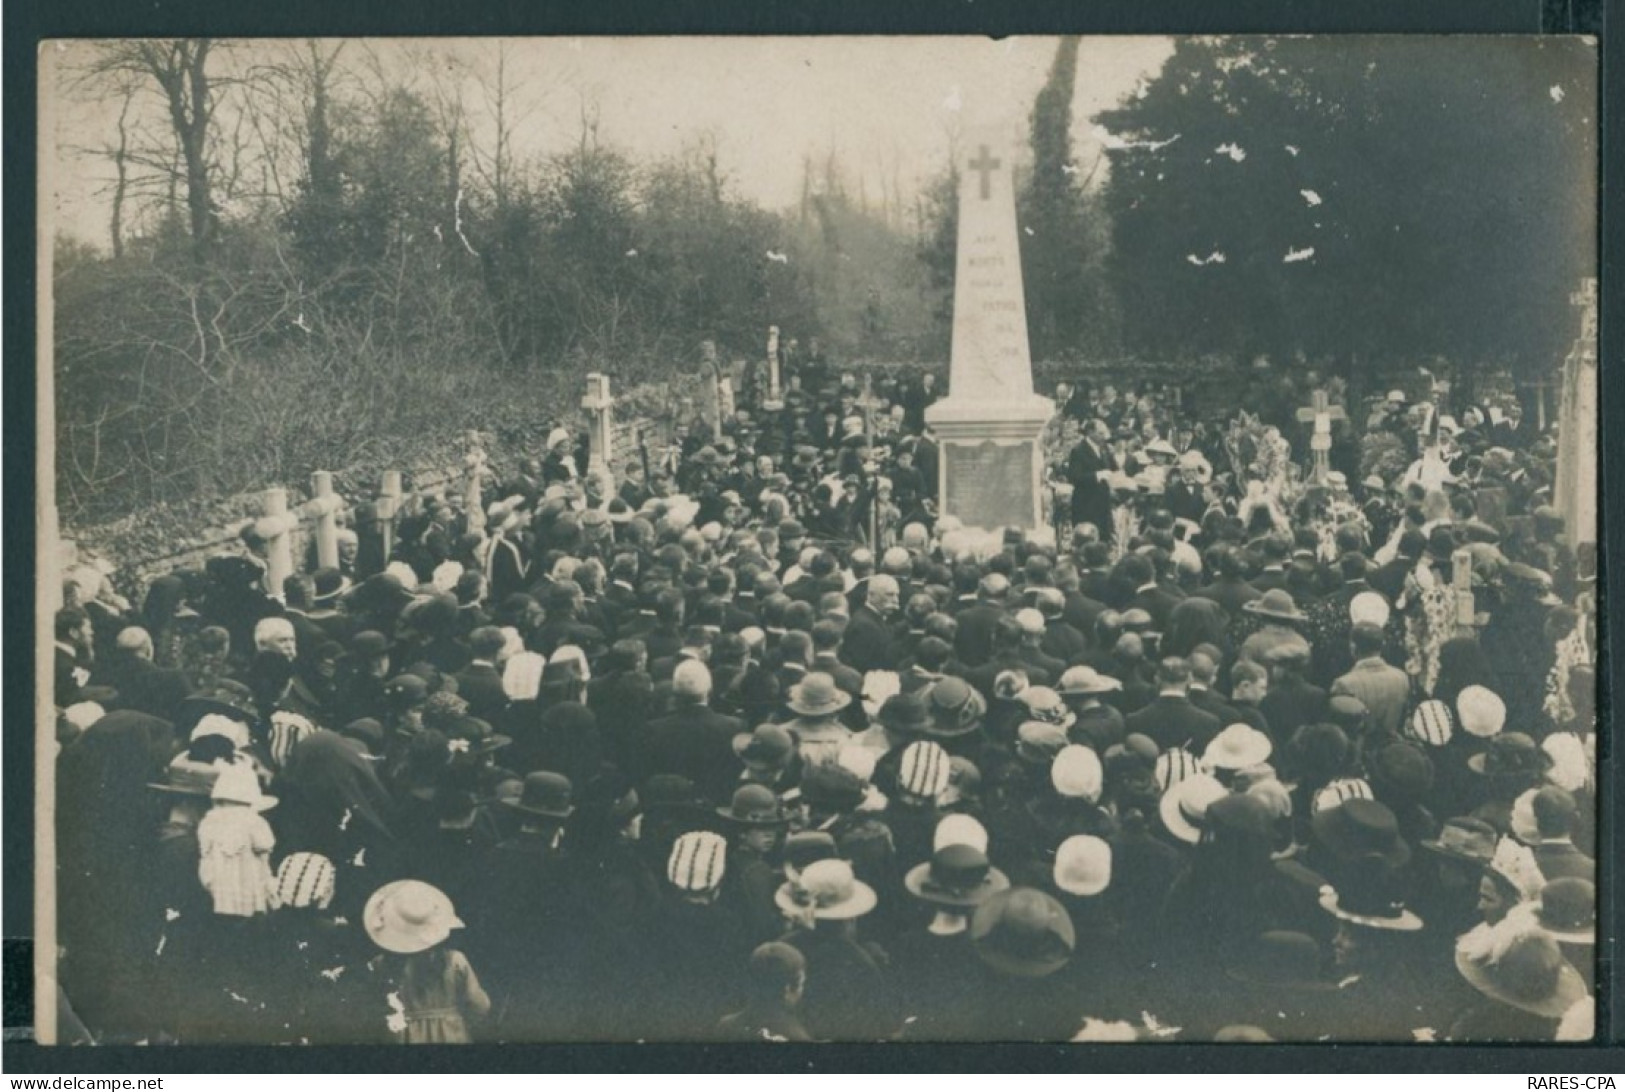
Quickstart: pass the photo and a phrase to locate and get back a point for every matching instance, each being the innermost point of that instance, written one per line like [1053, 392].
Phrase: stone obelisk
[988, 426]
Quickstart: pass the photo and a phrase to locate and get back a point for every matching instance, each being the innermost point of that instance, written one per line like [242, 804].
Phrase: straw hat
[1277, 603]
[1480, 712]
[816, 695]
[409, 916]
[959, 830]
[1085, 680]
[1077, 773]
[698, 861]
[956, 875]
[924, 770]
[1530, 974]
[1174, 766]
[1083, 865]
[1237, 747]
[1024, 932]
[238, 784]
[1184, 806]
[305, 880]
[826, 891]
[1567, 910]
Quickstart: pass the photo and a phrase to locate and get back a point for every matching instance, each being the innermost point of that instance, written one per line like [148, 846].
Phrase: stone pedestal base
[991, 466]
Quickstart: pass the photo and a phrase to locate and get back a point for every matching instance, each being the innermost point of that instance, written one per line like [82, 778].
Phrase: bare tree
[179, 68]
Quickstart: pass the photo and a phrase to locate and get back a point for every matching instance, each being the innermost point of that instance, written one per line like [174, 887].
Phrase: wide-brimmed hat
[1038, 742]
[1236, 748]
[1360, 828]
[328, 584]
[1022, 931]
[770, 744]
[1567, 910]
[816, 695]
[1085, 680]
[1184, 806]
[546, 793]
[1510, 753]
[1276, 603]
[905, 714]
[754, 806]
[956, 875]
[827, 891]
[1370, 896]
[409, 916]
[1464, 838]
[1528, 973]
[474, 737]
[227, 697]
[1044, 704]
[238, 784]
[1281, 960]
[956, 707]
[1400, 772]
[830, 786]
[184, 777]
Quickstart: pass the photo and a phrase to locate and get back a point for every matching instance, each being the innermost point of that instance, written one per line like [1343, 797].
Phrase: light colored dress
[438, 1007]
[234, 862]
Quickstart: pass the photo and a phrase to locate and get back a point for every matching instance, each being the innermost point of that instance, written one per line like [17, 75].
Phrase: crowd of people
[750, 742]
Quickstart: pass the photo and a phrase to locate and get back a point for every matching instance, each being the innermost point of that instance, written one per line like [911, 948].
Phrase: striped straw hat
[305, 880]
[697, 861]
[1431, 723]
[1340, 792]
[924, 769]
[1174, 766]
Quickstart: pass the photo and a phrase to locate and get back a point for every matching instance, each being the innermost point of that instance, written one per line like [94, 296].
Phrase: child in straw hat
[435, 994]
[235, 843]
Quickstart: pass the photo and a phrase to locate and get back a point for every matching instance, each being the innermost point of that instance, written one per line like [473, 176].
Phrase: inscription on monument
[989, 485]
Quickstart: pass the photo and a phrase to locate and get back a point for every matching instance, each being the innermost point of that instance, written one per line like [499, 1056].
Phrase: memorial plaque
[989, 485]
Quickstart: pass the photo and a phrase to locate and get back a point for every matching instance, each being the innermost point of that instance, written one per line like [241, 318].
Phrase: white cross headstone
[275, 526]
[773, 389]
[599, 406]
[324, 506]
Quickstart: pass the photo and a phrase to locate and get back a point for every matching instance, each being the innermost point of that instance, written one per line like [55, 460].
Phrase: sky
[887, 106]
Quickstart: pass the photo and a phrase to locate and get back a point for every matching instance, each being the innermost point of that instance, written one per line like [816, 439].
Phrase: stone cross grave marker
[1322, 413]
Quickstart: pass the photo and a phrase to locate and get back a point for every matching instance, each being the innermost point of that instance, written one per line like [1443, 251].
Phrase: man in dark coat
[973, 642]
[1086, 469]
[1169, 719]
[1149, 596]
[141, 685]
[480, 684]
[1229, 589]
[868, 643]
[694, 741]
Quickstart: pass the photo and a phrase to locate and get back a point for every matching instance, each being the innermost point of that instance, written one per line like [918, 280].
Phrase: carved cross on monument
[774, 401]
[600, 424]
[1540, 387]
[868, 403]
[984, 165]
[473, 470]
[1321, 411]
[1461, 582]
